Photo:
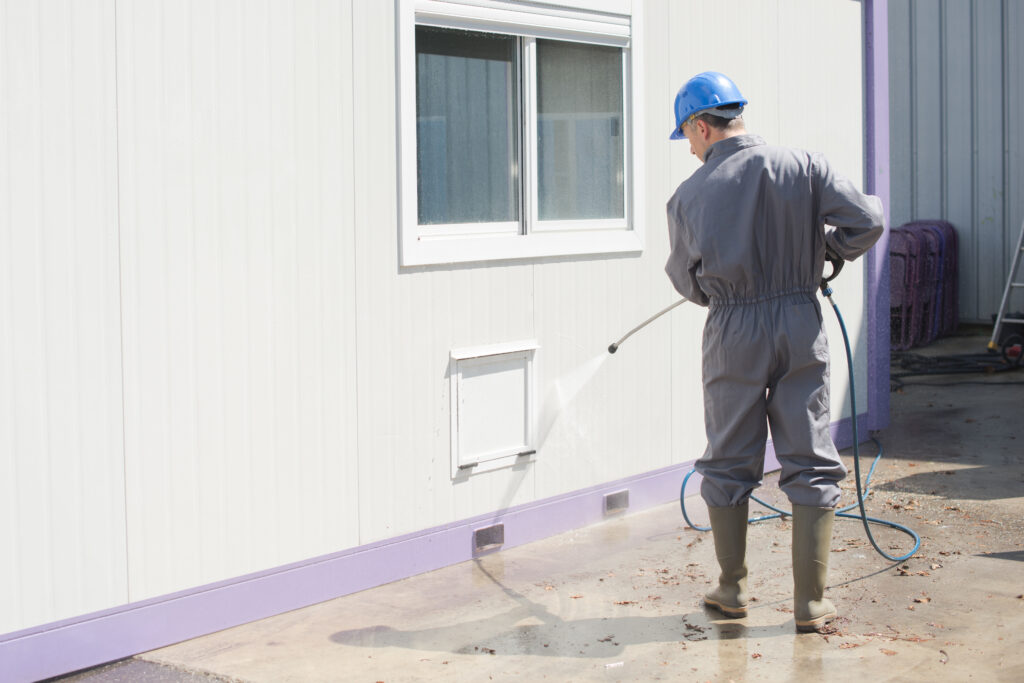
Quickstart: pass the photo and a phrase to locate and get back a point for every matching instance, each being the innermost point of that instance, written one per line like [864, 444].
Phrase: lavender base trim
[94, 639]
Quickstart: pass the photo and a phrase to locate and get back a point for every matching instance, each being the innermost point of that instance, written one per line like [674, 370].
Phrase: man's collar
[724, 148]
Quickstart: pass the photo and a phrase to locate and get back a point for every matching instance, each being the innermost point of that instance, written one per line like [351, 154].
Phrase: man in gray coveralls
[748, 240]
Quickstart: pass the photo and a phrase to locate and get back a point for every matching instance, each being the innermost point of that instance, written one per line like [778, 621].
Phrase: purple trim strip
[876, 50]
[93, 639]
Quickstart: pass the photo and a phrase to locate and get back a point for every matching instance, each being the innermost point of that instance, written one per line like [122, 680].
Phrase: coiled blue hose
[861, 494]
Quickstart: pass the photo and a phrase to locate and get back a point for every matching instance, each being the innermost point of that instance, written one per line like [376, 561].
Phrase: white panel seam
[120, 303]
[355, 267]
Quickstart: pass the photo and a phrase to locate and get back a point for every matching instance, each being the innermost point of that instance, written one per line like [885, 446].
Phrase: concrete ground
[621, 600]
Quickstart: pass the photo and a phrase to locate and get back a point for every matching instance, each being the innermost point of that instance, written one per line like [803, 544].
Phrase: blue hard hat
[707, 90]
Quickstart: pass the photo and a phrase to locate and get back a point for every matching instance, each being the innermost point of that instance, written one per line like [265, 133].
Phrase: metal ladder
[1011, 283]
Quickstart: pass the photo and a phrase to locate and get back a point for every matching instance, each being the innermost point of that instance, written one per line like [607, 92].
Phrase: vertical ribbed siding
[236, 138]
[814, 104]
[836, 79]
[61, 462]
[285, 382]
[956, 89]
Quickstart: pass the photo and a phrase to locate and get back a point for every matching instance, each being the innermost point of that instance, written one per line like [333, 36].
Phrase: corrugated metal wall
[210, 361]
[957, 150]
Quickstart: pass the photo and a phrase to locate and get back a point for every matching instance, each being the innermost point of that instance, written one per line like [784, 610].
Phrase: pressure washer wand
[615, 347]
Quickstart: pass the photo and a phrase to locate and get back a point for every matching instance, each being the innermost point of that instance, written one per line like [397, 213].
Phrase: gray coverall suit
[748, 240]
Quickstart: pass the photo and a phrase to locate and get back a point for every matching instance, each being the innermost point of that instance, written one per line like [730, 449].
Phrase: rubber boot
[812, 537]
[729, 527]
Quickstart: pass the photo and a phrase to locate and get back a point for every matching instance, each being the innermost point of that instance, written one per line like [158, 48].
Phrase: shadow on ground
[989, 482]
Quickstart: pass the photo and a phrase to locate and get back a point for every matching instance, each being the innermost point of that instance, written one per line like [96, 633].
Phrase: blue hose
[861, 494]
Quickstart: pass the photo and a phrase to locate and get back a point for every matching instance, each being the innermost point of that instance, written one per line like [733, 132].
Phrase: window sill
[462, 249]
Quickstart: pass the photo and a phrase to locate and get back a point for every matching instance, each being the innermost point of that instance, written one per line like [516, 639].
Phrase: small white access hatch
[492, 406]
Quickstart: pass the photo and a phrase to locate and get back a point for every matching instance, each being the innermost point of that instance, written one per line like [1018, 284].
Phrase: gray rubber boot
[729, 527]
[812, 538]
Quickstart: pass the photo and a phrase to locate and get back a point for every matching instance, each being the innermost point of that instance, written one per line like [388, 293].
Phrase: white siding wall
[62, 533]
[801, 66]
[238, 286]
[223, 224]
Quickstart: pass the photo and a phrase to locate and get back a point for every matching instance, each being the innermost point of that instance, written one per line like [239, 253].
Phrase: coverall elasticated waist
[748, 239]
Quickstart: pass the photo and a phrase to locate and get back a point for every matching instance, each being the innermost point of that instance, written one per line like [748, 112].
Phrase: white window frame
[600, 22]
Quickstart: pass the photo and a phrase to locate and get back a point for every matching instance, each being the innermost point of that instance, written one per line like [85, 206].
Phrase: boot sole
[815, 625]
[730, 612]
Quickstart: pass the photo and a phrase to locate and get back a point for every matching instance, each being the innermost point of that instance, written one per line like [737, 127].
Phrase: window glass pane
[467, 144]
[579, 131]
